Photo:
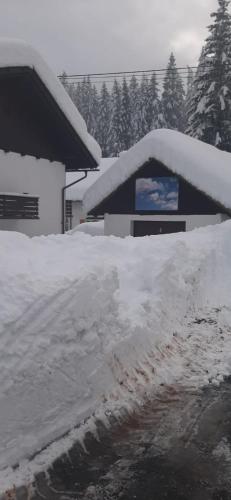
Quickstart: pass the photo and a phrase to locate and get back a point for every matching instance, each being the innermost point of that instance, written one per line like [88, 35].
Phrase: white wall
[25, 174]
[122, 225]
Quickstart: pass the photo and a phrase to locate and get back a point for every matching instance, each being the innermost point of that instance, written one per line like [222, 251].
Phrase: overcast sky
[86, 36]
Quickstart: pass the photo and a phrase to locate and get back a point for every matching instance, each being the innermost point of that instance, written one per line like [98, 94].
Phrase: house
[42, 136]
[168, 182]
[75, 212]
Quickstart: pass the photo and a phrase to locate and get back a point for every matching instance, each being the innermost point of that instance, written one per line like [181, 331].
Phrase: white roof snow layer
[16, 53]
[77, 192]
[204, 166]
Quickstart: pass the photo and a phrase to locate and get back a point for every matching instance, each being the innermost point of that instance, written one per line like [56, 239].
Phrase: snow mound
[93, 228]
[89, 323]
[204, 166]
[16, 53]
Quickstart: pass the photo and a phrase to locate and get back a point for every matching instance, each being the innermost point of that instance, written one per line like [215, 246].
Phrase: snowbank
[204, 166]
[85, 323]
[16, 53]
[92, 228]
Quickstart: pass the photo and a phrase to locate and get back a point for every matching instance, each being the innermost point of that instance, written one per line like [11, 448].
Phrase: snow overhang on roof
[203, 166]
[17, 55]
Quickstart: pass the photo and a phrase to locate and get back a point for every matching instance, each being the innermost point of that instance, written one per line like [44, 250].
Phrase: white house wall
[26, 174]
[122, 225]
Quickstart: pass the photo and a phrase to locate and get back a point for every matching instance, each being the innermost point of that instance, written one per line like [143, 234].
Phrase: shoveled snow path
[203, 358]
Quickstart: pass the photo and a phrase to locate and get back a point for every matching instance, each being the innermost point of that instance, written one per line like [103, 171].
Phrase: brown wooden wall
[191, 200]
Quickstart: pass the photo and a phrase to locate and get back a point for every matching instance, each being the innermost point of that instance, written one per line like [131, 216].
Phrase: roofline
[227, 210]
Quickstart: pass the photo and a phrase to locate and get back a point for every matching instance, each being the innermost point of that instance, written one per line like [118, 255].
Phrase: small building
[168, 182]
[75, 212]
[42, 136]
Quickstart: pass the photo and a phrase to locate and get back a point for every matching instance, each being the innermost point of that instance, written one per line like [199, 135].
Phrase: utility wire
[122, 73]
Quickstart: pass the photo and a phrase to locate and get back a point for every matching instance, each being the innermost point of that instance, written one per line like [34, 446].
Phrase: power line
[123, 73]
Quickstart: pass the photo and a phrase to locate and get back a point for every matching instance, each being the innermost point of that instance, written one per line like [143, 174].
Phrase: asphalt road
[177, 447]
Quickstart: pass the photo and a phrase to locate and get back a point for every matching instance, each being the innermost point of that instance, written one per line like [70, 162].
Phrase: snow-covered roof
[205, 167]
[77, 192]
[16, 53]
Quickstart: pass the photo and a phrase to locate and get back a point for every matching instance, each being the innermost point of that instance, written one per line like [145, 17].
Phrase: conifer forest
[121, 113]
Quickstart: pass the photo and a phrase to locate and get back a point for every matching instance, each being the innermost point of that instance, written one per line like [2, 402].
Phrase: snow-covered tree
[134, 93]
[195, 97]
[77, 96]
[93, 111]
[116, 140]
[125, 117]
[104, 121]
[63, 79]
[211, 121]
[173, 97]
[154, 115]
[143, 126]
[190, 78]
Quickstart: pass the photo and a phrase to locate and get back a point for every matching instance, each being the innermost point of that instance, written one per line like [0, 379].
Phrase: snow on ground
[91, 324]
[190, 158]
[93, 228]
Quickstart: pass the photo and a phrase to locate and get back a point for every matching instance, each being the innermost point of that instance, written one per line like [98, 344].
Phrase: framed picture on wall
[157, 194]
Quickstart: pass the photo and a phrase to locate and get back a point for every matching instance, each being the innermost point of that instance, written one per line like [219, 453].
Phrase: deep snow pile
[93, 228]
[85, 323]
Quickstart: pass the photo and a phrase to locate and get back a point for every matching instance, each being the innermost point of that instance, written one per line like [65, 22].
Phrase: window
[157, 194]
[17, 206]
[68, 215]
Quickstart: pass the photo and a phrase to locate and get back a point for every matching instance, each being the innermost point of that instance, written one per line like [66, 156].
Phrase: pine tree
[77, 96]
[154, 116]
[173, 97]
[64, 81]
[190, 78]
[189, 94]
[194, 103]
[211, 121]
[86, 100]
[104, 121]
[116, 140]
[143, 126]
[125, 132]
[94, 111]
[134, 93]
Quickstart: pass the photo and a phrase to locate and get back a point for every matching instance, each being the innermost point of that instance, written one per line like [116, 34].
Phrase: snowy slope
[204, 166]
[85, 322]
[76, 192]
[16, 53]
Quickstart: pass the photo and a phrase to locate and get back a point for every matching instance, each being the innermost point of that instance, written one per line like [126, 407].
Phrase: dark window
[15, 206]
[157, 194]
[147, 228]
[68, 215]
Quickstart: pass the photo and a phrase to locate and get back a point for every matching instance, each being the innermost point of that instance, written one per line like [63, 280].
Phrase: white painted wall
[42, 178]
[122, 225]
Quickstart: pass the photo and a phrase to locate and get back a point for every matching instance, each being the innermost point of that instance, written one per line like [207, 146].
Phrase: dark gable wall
[25, 125]
[191, 201]
[31, 122]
